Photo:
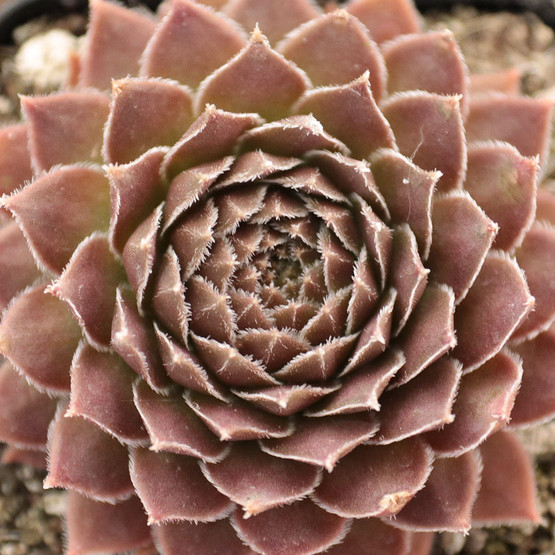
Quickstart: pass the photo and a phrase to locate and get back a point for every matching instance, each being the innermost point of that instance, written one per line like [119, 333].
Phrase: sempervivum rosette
[293, 309]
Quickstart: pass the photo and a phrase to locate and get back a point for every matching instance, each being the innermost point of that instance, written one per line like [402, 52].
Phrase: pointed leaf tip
[257, 80]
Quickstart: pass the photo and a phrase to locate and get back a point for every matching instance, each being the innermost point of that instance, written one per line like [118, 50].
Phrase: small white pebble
[42, 61]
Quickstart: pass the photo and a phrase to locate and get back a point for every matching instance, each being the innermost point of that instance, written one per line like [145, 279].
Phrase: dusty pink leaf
[285, 400]
[521, 121]
[497, 302]
[134, 340]
[24, 412]
[444, 70]
[213, 135]
[330, 320]
[388, 476]
[386, 20]
[319, 364]
[334, 50]
[116, 39]
[88, 285]
[506, 81]
[364, 294]
[462, 237]
[323, 441]
[483, 406]
[424, 403]
[536, 256]
[507, 494]
[65, 128]
[273, 347]
[429, 129]
[257, 80]
[102, 392]
[348, 112]
[535, 401]
[211, 315]
[349, 176]
[144, 114]
[188, 186]
[257, 481]
[135, 191]
[360, 391]
[429, 332]
[192, 538]
[174, 427]
[374, 336]
[17, 266]
[168, 297]
[15, 163]
[190, 43]
[371, 534]
[124, 526]
[292, 136]
[309, 529]
[503, 183]
[172, 488]
[58, 210]
[140, 256]
[408, 276]
[250, 312]
[546, 204]
[184, 367]
[230, 366]
[444, 503]
[39, 335]
[276, 19]
[377, 237]
[236, 420]
[103, 474]
[408, 191]
[238, 205]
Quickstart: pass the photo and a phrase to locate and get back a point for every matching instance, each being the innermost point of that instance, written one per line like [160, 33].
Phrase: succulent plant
[278, 294]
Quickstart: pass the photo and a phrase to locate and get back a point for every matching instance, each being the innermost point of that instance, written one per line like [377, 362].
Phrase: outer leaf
[172, 487]
[507, 494]
[192, 538]
[101, 392]
[123, 525]
[88, 285]
[276, 19]
[58, 210]
[65, 128]
[24, 412]
[309, 529]
[257, 80]
[190, 43]
[258, 481]
[387, 477]
[334, 50]
[444, 504]
[116, 39]
[102, 474]
[386, 20]
[39, 336]
[144, 114]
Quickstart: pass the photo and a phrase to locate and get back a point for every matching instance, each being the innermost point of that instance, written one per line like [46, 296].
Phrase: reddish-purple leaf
[387, 477]
[309, 529]
[172, 488]
[124, 525]
[39, 335]
[88, 285]
[508, 493]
